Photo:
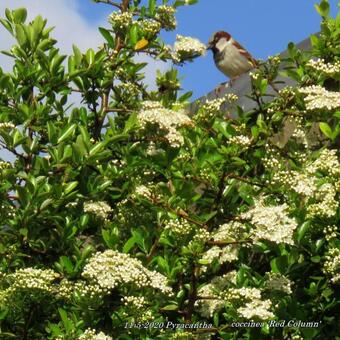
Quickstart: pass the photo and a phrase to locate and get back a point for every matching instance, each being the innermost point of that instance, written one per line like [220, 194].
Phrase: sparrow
[230, 57]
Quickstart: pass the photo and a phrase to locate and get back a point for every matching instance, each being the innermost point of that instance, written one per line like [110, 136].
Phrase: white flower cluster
[327, 162]
[230, 231]
[28, 279]
[211, 301]
[256, 309]
[327, 204]
[143, 191]
[128, 89]
[332, 264]
[134, 302]
[91, 334]
[271, 223]
[202, 235]
[166, 16]
[253, 307]
[275, 281]
[187, 47]
[274, 59]
[330, 232]
[7, 211]
[179, 226]
[318, 97]
[31, 278]
[254, 75]
[88, 290]
[300, 135]
[7, 125]
[211, 107]
[121, 20]
[5, 165]
[241, 141]
[111, 268]
[301, 182]
[228, 253]
[99, 209]
[168, 121]
[152, 150]
[320, 65]
[149, 26]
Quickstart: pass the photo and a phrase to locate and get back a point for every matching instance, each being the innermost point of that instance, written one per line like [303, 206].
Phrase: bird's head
[218, 41]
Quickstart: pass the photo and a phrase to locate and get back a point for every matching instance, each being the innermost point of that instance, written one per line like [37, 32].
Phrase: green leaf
[131, 123]
[314, 40]
[77, 55]
[152, 7]
[129, 244]
[302, 230]
[326, 130]
[46, 203]
[20, 35]
[56, 62]
[170, 307]
[19, 15]
[66, 133]
[323, 8]
[96, 148]
[133, 35]
[279, 264]
[7, 25]
[107, 36]
[70, 187]
[66, 322]
[90, 56]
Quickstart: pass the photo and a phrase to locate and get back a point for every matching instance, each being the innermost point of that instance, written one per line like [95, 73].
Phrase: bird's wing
[245, 53]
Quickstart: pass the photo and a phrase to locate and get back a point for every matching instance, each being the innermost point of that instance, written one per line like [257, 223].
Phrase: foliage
[125, 217]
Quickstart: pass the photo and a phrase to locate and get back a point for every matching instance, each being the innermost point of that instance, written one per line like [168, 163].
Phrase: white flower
[121, 20]
[214, 303]
[256, 309]
[332, 264]
[241, 141]
[228, 253]
[230, 231]
[271, 223]
[327, 162]
[318, 97]
[7, 125]
[90, 334]
[111, 269]
[321, 66]
[327, 204]
[167, 121]
[278, 282]
[179, 226]
[187, 47]
[144, 191]
[166, 16]
[99, 209]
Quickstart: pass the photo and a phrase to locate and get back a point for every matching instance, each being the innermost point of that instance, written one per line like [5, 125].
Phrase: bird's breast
[230, 62]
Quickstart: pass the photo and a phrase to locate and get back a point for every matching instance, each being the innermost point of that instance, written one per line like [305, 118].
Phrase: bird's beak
[209, 46]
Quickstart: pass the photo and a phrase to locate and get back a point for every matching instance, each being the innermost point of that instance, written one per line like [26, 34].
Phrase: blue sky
[264, 27]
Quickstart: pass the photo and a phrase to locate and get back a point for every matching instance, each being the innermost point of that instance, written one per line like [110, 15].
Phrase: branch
[125, 5]
[109, 2]
[242, 179]
[192, 295]
[225, 243]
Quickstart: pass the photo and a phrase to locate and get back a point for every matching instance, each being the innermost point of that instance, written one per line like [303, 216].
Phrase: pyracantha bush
[128, 216]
